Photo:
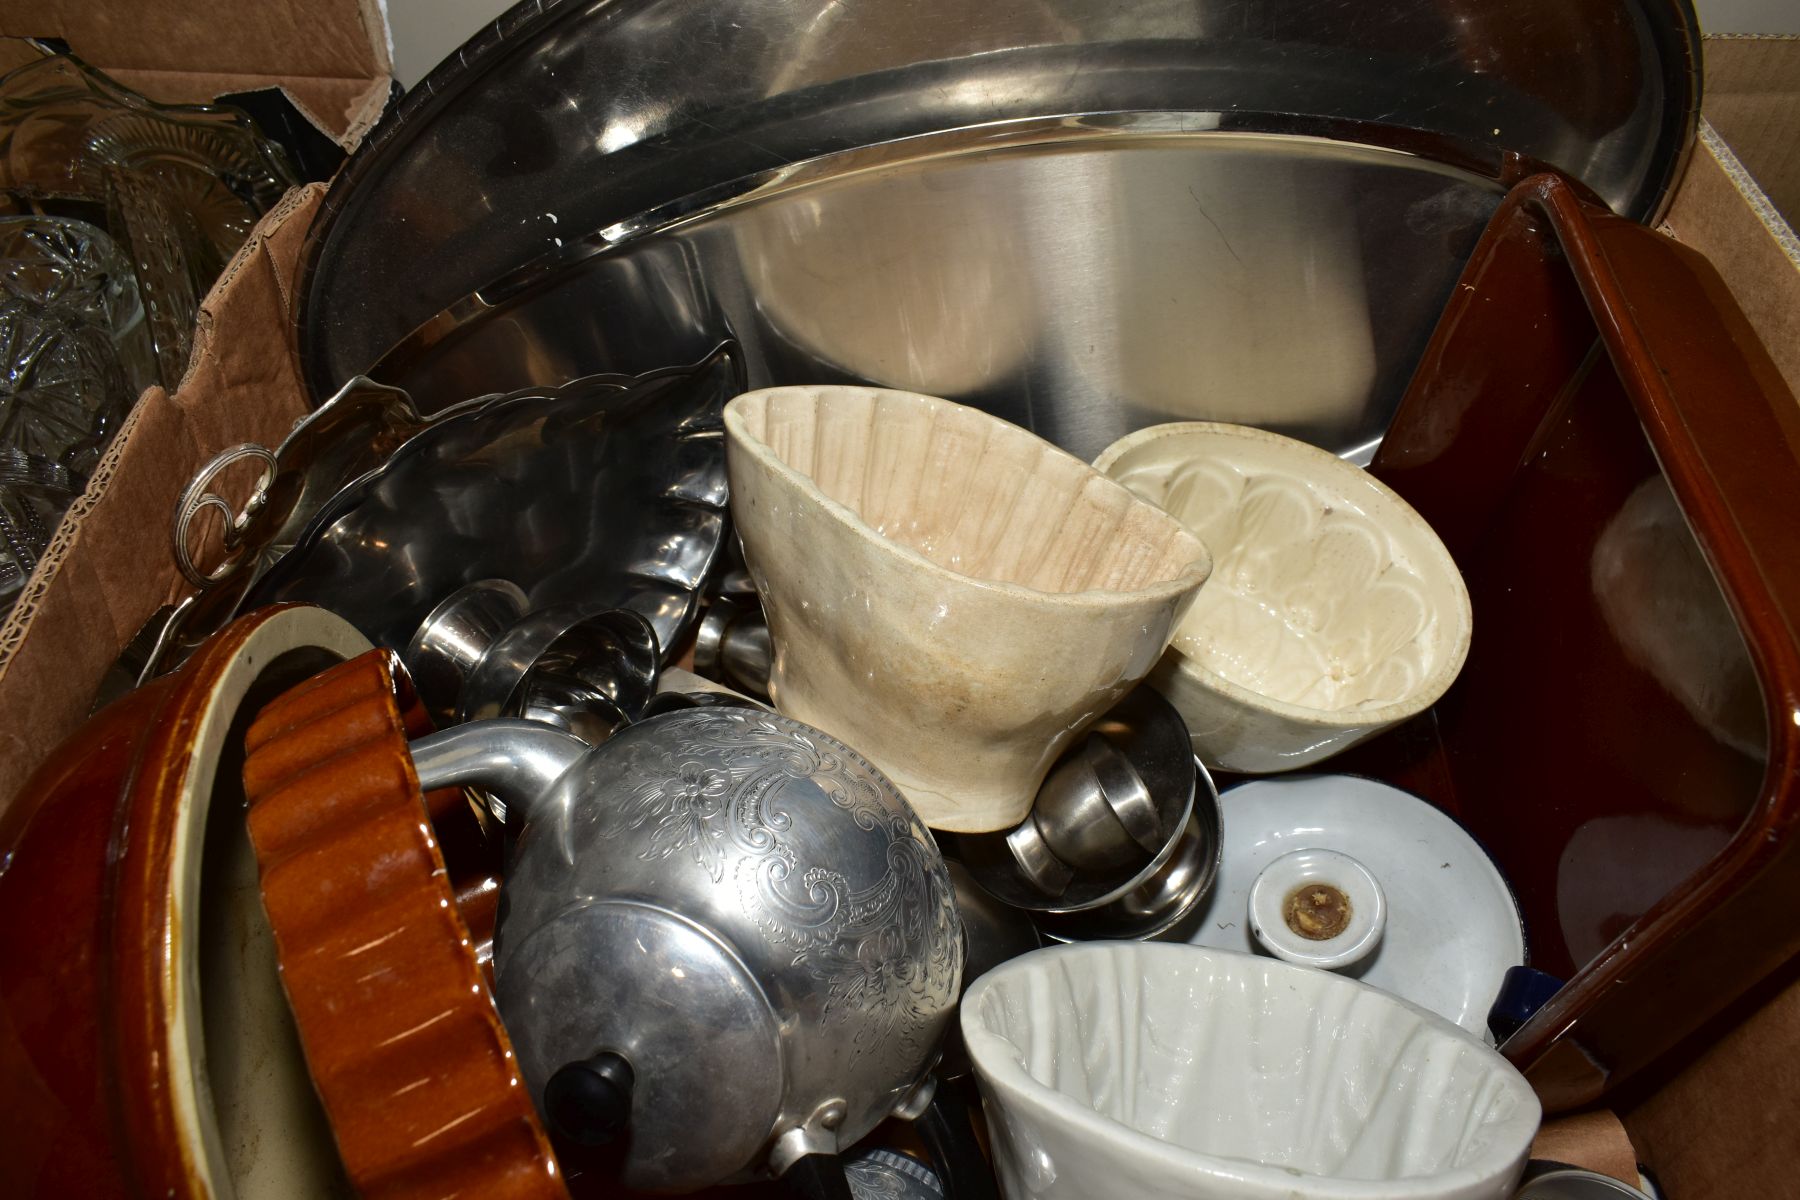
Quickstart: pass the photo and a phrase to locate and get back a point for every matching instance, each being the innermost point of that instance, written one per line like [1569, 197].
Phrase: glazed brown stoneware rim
[1725, 429]
[1751, 589]
[157, 1045]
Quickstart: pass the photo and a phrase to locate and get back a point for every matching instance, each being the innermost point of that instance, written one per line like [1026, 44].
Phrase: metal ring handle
[195, 498]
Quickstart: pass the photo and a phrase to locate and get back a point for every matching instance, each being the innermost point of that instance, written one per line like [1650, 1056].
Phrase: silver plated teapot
[726, 945]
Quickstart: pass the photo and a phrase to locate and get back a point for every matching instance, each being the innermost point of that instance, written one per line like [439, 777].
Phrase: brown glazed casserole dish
[1614, 461]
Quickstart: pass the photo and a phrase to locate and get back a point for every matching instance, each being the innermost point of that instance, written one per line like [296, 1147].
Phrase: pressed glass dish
[178, 187]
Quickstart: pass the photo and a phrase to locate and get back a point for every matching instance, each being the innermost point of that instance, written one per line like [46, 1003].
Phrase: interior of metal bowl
[1083, 279]
[561, 118]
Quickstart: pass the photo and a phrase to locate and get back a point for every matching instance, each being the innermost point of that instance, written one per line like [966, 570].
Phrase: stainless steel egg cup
[1107, 818]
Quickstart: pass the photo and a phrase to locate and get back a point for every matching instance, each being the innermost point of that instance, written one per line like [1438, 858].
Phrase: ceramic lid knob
[1317, 908]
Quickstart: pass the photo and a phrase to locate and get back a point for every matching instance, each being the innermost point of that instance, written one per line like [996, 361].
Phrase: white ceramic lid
[1452, 925]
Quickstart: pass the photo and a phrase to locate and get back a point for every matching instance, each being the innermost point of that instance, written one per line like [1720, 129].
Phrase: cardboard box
[1716, 1123]
[108, 567]
[1742, 186]
[331, 57]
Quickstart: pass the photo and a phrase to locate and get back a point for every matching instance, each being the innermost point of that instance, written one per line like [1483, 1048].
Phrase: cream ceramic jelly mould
[949, 594]
[1334, 611]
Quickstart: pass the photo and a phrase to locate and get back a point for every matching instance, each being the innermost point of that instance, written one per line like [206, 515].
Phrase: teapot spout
[515, 762]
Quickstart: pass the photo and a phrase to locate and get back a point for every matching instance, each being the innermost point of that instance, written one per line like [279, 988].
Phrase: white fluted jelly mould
[1333, 612]
[946, 592]
[1162, 1071]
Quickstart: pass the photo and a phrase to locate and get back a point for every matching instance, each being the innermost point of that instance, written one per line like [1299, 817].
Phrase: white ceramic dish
[1159, 1071]
[1452, 926]
[1333, 612]
[948, 593]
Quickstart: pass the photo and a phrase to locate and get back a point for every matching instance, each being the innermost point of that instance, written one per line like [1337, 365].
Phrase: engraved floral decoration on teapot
[720, 805]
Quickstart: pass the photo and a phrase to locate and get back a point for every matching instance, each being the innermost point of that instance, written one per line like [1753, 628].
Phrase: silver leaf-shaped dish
[607, 490]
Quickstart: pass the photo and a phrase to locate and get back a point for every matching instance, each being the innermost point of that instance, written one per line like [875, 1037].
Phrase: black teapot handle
[588, 1102]
[818, 1177]
[948, 1132]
